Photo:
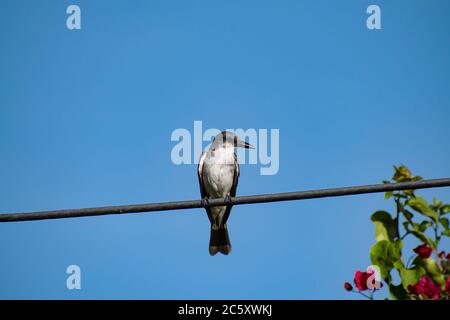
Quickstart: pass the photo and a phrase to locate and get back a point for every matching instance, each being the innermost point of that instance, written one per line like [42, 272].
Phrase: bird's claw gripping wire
[205, 202]
[227, 199]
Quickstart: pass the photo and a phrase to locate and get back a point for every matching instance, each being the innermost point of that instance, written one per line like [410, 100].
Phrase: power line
[191, 204]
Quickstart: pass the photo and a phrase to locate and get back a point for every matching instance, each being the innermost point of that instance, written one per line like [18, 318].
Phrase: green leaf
[446, 233]
[436, 202]
[446, 265]
[407, 214]
[384, 254]
[406, 225]
[396, 250]
[418, 234]
[422, 237]
[388, 194]
[420, 205]
[411, 276]
[432, 269]
[445, 209]
[398, 292]
[401, 174]
[385, 226]
[380, 232]
[398, 265]
[378, 256]
[424, 225]
[444, 222]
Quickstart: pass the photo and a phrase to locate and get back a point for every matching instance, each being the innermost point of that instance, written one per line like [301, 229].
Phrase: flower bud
[348, 286]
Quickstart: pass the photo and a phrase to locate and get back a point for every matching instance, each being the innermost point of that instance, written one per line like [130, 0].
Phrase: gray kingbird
[218, 174]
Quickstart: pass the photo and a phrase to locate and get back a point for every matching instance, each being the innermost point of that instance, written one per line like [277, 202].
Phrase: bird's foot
[227, 199]
[205, 202]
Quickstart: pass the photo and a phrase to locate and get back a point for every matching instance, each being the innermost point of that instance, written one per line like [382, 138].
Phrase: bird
[218, 175]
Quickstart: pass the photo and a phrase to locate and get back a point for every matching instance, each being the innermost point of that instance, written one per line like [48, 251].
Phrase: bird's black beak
[248, 146]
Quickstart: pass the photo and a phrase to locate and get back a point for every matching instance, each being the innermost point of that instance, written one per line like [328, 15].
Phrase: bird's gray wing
[233, 189]
[201, 184]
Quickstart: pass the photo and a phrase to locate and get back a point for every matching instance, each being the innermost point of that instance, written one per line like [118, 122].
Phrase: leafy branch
[425, 274]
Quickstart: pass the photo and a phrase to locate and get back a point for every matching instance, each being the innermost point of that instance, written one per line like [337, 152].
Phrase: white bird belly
[219, 173]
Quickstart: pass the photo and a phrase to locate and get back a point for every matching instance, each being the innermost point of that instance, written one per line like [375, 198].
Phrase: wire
[191, 204]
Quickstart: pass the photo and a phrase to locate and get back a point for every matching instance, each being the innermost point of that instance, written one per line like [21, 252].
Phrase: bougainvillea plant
[424, 272]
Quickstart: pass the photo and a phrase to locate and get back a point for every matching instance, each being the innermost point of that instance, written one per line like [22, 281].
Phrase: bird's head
[229, 138]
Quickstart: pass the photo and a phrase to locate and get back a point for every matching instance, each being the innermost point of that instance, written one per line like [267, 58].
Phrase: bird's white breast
[219, 172]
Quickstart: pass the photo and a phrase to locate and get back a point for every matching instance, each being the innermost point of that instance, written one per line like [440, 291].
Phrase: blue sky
[86, 118]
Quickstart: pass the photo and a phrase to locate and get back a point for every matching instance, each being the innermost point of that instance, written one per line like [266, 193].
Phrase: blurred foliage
[387, 251]
[414, 217]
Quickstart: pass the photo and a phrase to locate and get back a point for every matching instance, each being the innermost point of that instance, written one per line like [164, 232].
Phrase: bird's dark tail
[219, 240]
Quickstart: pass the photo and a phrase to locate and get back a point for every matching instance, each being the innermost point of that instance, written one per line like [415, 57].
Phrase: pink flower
[425, 287]
[361, 279]
[423, 251]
